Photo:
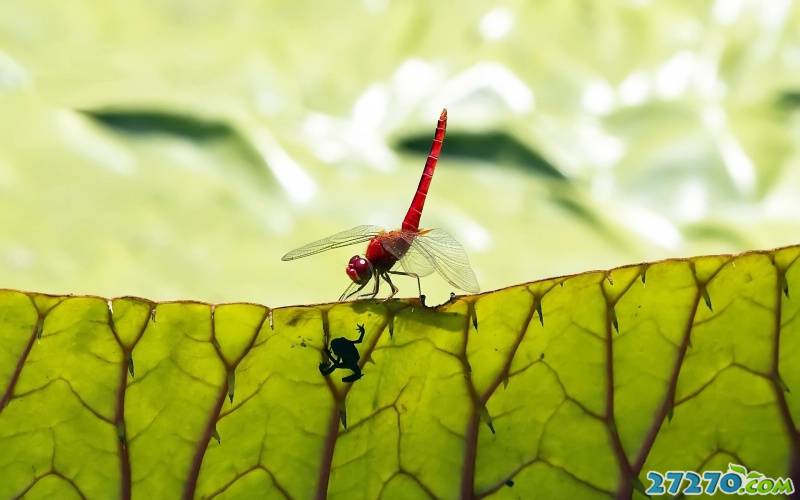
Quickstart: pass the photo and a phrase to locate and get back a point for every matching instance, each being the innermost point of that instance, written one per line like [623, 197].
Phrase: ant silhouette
[346, 356]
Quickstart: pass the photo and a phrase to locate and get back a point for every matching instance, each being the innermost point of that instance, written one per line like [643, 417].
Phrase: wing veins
[453, 266]
[358, 234]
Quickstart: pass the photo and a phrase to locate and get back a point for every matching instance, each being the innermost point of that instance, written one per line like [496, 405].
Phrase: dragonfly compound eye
[359, 269]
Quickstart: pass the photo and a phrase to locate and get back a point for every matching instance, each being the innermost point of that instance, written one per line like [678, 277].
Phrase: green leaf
[583, 412]
[639, 486]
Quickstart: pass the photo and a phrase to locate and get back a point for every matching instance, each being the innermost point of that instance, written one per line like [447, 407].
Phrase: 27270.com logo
[737, 480]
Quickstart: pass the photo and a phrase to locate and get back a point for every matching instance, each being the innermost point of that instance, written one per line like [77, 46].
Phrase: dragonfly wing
[358, 234]
[400, 245]
[415, 262]
[447, 257]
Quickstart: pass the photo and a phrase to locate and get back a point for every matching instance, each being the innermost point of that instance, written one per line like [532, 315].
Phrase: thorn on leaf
[614, 320]
[231, 384]
[487, 419]
[707, 299]
[781, 383]
[638, 486]
[121, 432]
[539, 311]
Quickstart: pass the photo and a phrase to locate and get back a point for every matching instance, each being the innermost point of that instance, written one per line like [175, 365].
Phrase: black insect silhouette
[344, 355]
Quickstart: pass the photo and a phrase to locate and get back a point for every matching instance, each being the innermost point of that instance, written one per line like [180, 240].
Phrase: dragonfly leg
[394, 288]
[347, 293]
[375, 289]
[415, 276]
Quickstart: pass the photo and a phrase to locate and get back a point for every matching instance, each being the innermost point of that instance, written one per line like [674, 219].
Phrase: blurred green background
[176, 149]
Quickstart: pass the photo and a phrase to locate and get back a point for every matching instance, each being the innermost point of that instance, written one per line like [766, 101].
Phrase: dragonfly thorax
[378, 254]
[359, 269]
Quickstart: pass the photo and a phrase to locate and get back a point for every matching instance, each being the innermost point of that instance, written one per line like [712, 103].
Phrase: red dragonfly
[420, 252]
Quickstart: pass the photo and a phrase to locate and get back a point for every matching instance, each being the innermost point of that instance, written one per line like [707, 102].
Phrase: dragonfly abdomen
[411, 221]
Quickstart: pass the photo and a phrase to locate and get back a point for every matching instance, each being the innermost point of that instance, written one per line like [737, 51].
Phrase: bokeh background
[176, 149]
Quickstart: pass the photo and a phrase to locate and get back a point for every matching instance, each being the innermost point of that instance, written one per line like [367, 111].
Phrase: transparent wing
[415, 262]
[358, 234]
[446, 256]
[399, 244]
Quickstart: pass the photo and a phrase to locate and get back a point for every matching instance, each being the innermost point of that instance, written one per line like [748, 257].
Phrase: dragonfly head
[359, 269]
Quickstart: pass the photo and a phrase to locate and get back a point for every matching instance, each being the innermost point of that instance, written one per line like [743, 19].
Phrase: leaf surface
[571, 387]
